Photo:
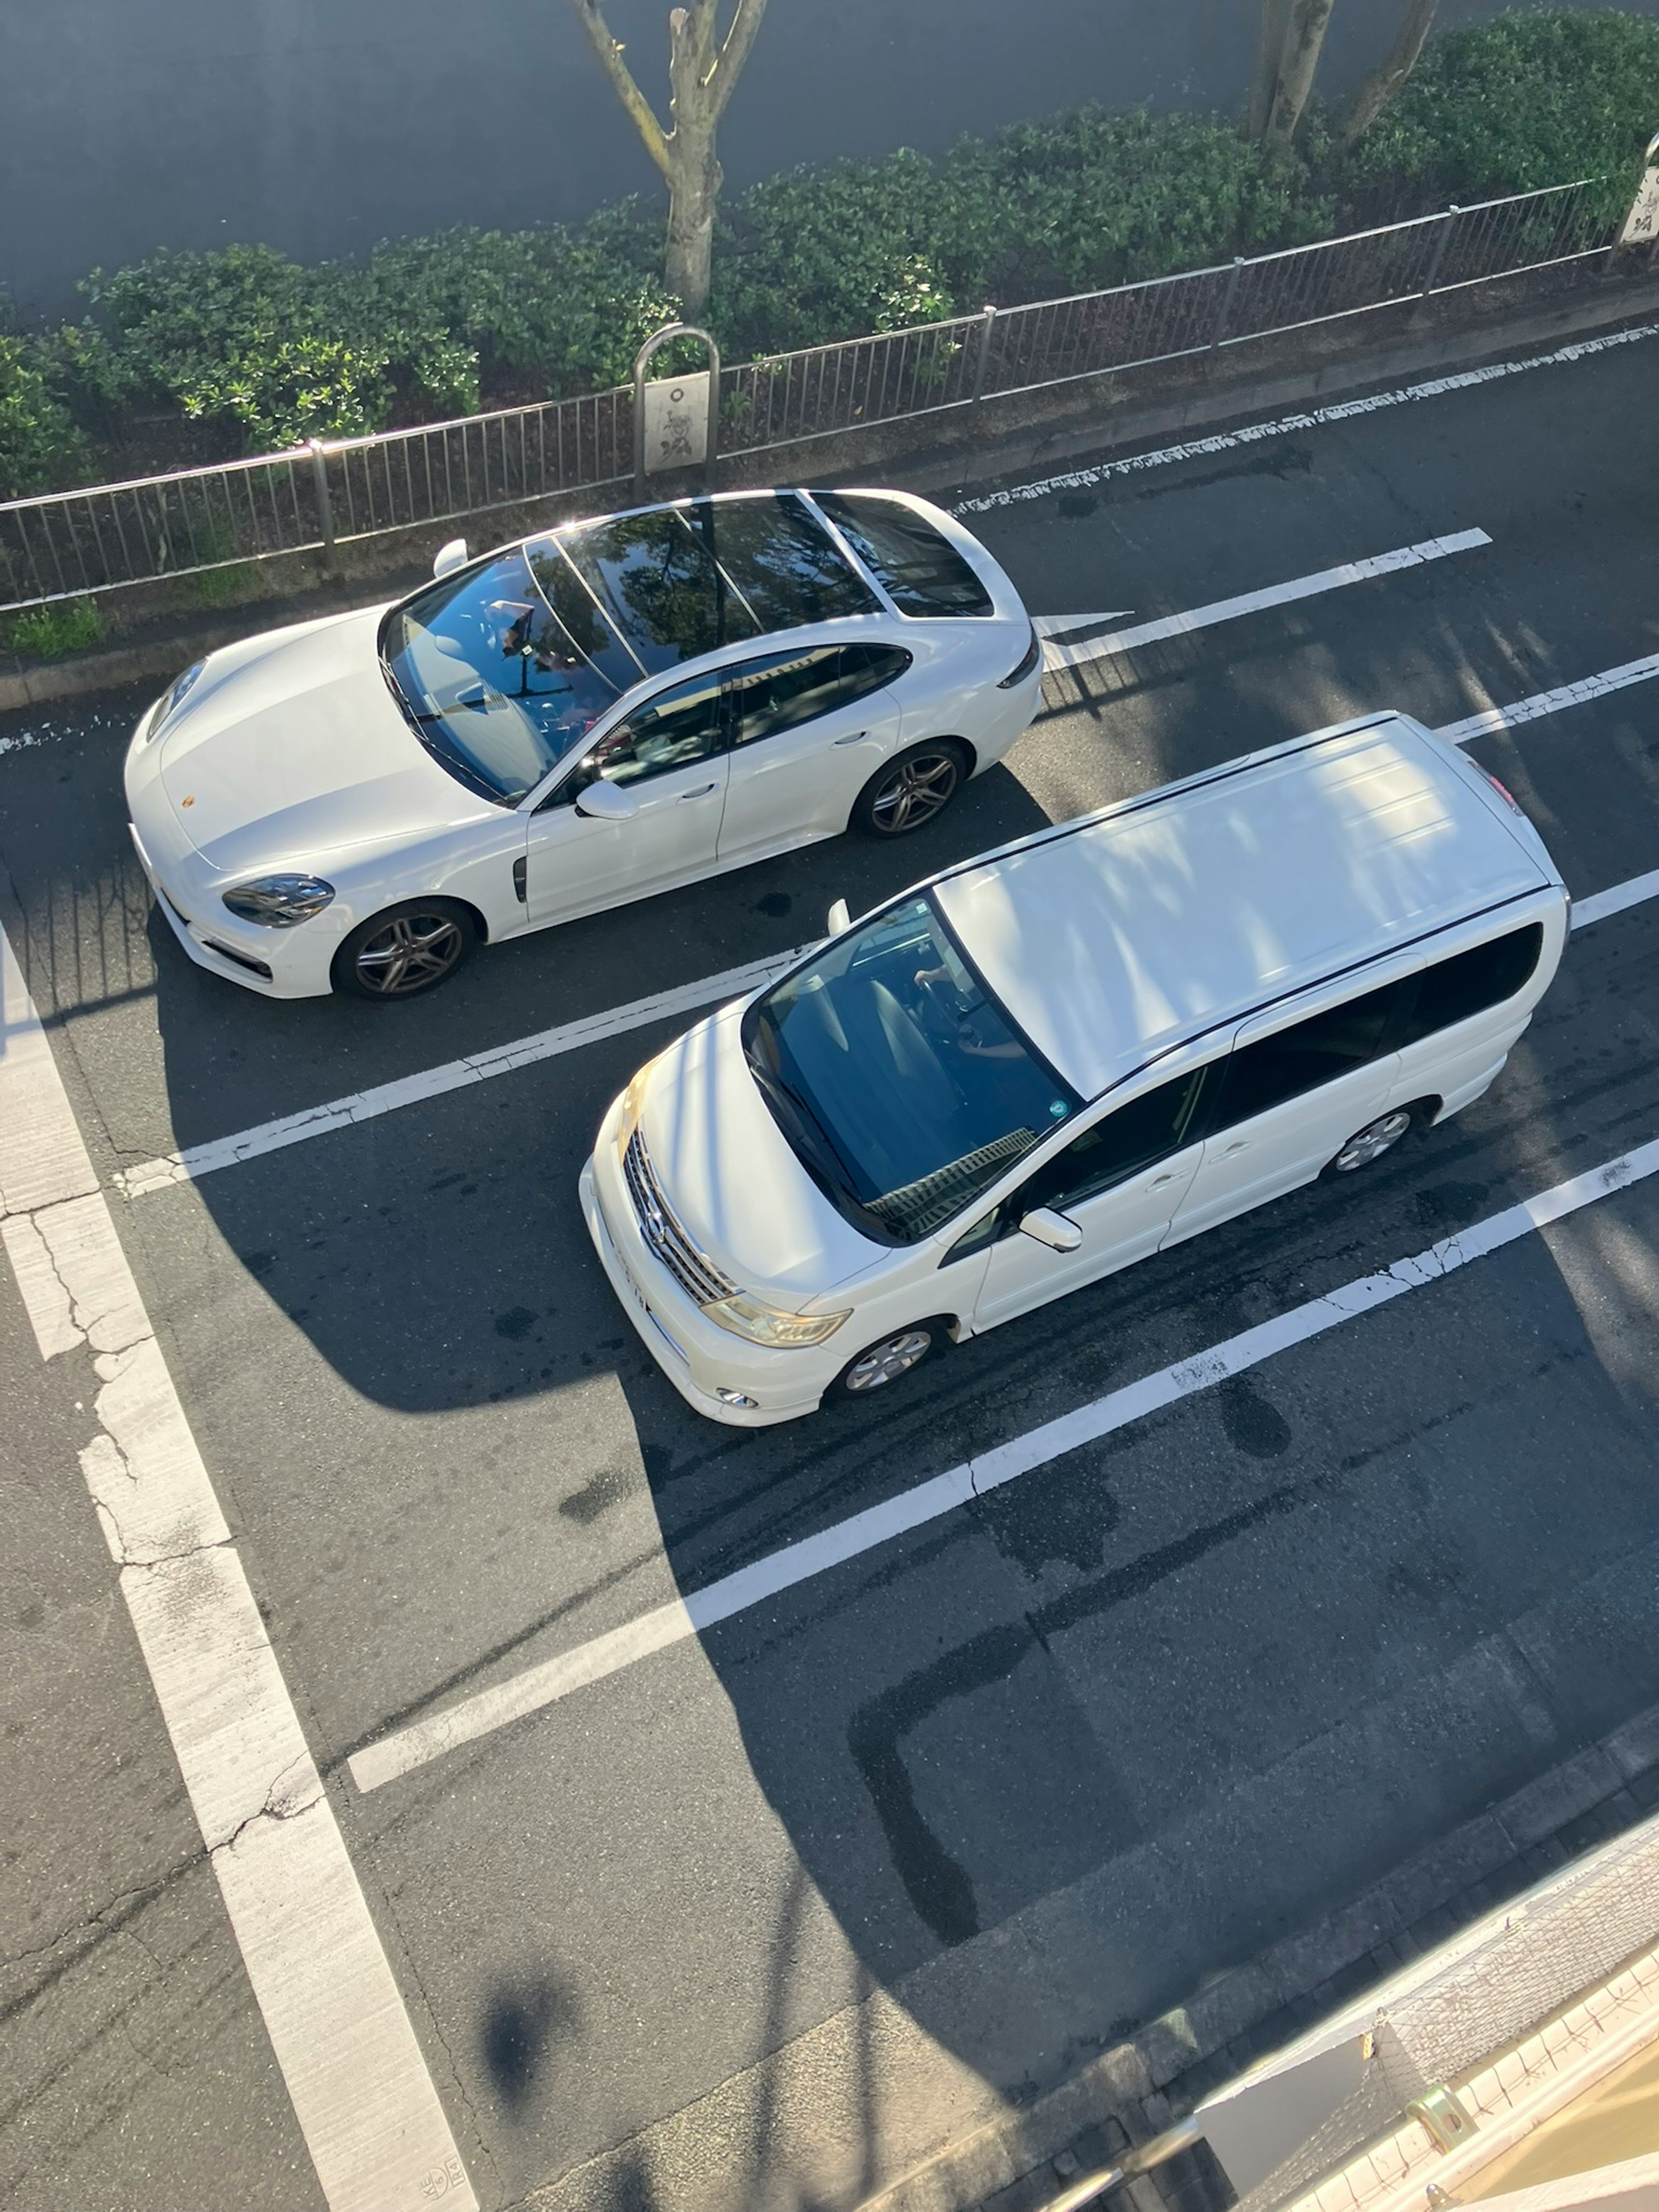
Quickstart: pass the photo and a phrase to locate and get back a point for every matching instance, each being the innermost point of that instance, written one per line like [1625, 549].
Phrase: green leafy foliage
[1532, 98]
[41, 447]
[1080, 201]
[286, 353]
[1099, 197]
[49, 633]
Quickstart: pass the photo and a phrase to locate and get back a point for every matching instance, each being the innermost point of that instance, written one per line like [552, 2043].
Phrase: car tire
[883, 1364]
[1371, 1142]
[404, 949]
[912, 789]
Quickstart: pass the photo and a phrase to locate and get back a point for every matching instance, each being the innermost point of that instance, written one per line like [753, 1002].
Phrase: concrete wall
[322, 125]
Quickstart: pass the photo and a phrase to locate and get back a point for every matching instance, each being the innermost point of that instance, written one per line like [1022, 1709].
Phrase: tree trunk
[694, 174]
[1381, 86]
[1270, 55]
[694, 185]
[1304, 37]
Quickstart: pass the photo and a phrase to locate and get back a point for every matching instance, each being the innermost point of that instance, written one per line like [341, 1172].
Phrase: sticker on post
[677, 421]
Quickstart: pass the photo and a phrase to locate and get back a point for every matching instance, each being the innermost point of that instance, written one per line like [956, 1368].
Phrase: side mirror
[839, 919]
[1056, 1230]
[607, 802]
[452, 555]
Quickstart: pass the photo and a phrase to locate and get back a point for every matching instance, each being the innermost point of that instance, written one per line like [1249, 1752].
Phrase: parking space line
[364, 2099]
[1600, 904]
[488, 1710]
[1056, 656]
[1342, 410]
[194, 1161]
[1491, 720]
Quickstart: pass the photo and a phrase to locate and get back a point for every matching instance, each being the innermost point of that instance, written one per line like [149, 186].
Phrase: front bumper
[698, 1358]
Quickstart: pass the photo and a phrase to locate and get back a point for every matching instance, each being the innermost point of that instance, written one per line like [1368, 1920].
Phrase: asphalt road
[757, 1921]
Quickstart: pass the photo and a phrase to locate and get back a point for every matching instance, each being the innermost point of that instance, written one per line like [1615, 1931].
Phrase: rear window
[921, 572]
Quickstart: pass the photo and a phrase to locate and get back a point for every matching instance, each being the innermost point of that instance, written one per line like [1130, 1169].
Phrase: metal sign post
[677, 418]
[1642, 223]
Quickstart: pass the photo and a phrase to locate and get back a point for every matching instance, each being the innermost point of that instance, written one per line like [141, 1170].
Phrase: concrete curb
[1134, 2089]
[1137, 408]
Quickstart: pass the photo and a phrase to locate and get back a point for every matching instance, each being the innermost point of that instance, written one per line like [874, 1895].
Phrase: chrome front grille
[697, 1276]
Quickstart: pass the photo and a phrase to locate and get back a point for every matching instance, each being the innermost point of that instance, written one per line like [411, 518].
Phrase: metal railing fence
[111, 537]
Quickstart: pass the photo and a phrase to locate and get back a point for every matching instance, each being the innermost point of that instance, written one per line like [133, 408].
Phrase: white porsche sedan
[583, 718]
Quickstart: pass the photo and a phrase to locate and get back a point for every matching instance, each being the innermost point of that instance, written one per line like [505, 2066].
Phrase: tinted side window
[921, 571]
[787, 689]
[679, 726]
[1298, 1059]
[1471, 981]
[1133, 1138]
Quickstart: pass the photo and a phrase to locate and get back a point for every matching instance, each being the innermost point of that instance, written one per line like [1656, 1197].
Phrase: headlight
[174, 695]
[764, 1324]
[279, 901]
[628, 1117]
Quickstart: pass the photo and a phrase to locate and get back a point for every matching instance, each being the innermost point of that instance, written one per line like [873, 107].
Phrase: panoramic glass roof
[682, 580]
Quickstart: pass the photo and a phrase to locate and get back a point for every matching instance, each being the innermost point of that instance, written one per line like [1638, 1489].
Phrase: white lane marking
[1491, 720]
[1600, 904]
[539, 1686]
[196, 1160]
[1061, 625]
[1057, 656]
[1343, 410]
[364, 2099]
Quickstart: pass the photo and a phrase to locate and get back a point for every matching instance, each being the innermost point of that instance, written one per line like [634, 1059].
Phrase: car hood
[730, 1177]
[298, 751]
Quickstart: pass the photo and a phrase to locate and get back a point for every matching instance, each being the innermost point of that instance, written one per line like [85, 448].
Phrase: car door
[809, 727]
[1119, 1180]
[1299, 1082]
[669, 756]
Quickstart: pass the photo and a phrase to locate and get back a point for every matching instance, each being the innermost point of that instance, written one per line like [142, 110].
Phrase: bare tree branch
[734, 50]
[1383, 82]
[634, 103]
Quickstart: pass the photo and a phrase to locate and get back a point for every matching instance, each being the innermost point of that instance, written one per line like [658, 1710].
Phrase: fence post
[1227, 298]
[1442, 239]
[989, 315]
[324, 502]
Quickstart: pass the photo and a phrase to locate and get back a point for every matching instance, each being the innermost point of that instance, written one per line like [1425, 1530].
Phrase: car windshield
[502, 668]
[904, 1088]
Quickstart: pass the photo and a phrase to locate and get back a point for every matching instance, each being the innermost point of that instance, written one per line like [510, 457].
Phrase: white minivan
[1059, 1057]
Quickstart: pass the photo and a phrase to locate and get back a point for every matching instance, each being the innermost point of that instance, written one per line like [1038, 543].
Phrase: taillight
[1504, 793]
[1029, 660]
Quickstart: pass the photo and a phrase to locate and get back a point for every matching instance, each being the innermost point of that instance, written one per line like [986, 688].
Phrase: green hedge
[1531, 99]
[269, 353]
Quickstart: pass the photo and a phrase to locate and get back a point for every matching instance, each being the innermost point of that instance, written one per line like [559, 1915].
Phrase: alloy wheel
[884, 1363]
[916, 791]
[1371, 1143]
[412, 953]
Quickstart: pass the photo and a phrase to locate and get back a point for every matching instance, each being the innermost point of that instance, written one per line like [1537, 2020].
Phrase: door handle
[857, 738]
[701, 791]
[1242, 1145]
[1158, 1181]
